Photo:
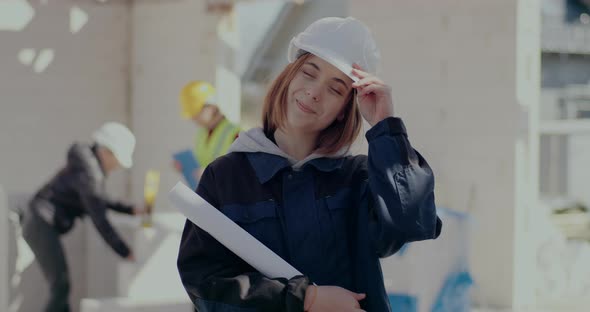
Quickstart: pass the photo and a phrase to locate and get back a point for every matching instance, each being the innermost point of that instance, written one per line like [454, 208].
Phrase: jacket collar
[266, 166]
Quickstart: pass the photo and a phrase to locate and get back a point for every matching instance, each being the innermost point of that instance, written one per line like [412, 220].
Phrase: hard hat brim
[125, 160]
[341, 42]
[295, 46]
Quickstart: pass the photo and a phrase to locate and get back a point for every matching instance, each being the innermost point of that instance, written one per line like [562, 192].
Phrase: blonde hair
[336, 136]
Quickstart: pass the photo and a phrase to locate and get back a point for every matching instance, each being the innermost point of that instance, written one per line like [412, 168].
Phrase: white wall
[123, 59]
[41, 114]
[578, 171]
[173, 43]
[4, 243]
[452, 66]
[85, 85]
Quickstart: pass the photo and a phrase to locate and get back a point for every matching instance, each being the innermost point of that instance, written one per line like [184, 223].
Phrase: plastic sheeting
[432, 276]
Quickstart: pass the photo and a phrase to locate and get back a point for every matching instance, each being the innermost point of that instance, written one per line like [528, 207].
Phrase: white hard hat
[339, 41]
[119, 140]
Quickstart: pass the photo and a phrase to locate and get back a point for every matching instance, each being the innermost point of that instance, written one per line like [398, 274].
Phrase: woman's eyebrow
[335, 78]
[340, 81]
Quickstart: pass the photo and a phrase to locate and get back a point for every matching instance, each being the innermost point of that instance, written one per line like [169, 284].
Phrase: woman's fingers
[358, 71]
[376, 89]
[367, 81]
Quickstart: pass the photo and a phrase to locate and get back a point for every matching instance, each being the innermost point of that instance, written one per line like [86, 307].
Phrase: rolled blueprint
[232, 236]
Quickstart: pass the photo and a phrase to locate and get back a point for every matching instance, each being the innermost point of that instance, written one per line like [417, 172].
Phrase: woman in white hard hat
[293, 186]
[78, 189]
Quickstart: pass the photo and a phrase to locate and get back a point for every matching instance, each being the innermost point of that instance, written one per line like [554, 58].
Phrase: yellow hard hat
[194, 96]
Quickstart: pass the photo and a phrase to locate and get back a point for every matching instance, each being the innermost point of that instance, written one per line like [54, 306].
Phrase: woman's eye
[336, 91]
[310, 74]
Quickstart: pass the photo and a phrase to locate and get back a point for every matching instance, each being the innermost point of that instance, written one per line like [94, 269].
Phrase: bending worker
[78, 189]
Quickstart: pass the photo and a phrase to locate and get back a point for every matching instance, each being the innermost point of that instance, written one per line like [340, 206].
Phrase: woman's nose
[313, 93]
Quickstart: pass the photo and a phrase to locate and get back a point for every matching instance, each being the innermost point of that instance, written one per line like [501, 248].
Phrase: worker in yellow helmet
[215, 133]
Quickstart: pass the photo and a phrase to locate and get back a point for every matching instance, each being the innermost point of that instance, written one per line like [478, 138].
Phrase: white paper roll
[232, 236]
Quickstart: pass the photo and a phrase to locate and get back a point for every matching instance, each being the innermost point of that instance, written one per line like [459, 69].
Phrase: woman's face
[317, 95]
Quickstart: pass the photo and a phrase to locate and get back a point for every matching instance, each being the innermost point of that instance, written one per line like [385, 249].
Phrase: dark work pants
[45, 243]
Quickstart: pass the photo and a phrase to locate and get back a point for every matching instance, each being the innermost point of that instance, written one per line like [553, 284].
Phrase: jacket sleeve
[400, 191]
[95, 205]
[119, 207]
[217, 280]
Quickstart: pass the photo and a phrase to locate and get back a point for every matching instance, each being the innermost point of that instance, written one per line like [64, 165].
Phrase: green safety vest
[209, 147]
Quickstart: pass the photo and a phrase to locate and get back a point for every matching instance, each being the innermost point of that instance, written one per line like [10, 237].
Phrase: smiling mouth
[304, 108]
